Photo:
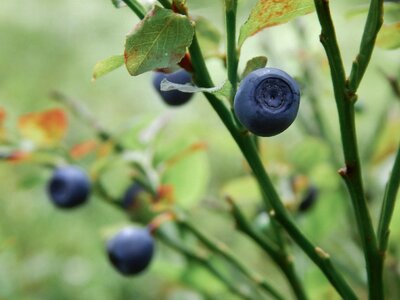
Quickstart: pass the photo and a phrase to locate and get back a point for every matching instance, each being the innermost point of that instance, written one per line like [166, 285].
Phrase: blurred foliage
[49, 254]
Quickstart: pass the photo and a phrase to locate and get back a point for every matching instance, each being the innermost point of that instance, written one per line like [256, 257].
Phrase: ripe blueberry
[130, 199]
[267, 101]
[131, 250]
[309, 199]
[69, 187]
[174, 97]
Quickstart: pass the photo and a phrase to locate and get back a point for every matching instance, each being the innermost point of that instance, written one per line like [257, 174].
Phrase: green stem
[352, 172]
[232, 55]
[281, 258]
[223, 250]
[136, 7]
[389, 201]
[372, 25]
[204, 261]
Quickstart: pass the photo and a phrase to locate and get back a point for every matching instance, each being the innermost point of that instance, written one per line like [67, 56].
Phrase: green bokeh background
[46, 253]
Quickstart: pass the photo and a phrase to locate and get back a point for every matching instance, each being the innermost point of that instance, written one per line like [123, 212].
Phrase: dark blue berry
[131, 250]
[130, 199]
[69, 187]
[309, 199]
[267, 101]
[174, 97]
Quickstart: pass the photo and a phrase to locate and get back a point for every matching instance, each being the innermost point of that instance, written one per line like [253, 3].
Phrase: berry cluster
[131, 250]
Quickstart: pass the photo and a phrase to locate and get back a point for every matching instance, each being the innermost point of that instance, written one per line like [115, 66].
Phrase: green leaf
[243, 189]
[389, 36]
[268, 13]
[189, 175]
[255, 63]
[158, 41]
[392, 11]
[209, 37]
[107, 65]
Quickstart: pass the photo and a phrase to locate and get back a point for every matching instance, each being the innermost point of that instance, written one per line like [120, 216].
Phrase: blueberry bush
[281, 119]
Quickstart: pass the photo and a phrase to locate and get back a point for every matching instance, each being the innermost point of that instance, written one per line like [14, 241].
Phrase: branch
[372, 25]
[203, 260]
[223, 250]
[86, 116]
[389, 201]
[352, 172]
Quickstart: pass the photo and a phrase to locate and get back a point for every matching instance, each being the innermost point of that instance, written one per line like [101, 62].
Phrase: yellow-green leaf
[107, 65]
[267, 13]
[389, 36]
[158, 41]
[255, 63]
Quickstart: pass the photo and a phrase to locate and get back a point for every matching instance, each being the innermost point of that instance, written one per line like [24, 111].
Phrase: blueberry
[309, 199]
[174, 97]
[69, 187]
[131, 250]
[267, 101]
[131, 196]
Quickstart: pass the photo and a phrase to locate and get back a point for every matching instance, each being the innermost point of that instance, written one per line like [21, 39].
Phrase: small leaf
[255, 63]
[268, 13]
[209, 37]
[2, 118]
[389, 36]
[118, 3]
[45, 128]
[188, 172]
[107, 65]
[243, 189]
[159, 41]
[82, 149]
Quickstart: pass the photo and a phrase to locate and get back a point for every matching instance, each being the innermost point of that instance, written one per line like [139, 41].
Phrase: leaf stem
[136, 7]
[351, 174]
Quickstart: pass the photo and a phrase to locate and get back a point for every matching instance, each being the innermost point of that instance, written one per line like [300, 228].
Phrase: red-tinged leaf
[18, 156]
[2, 118]
[267, 13]
[199, 146]
[159, 41]
[83, 149]
[166, 192]
[45, 128]
[389, 36]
